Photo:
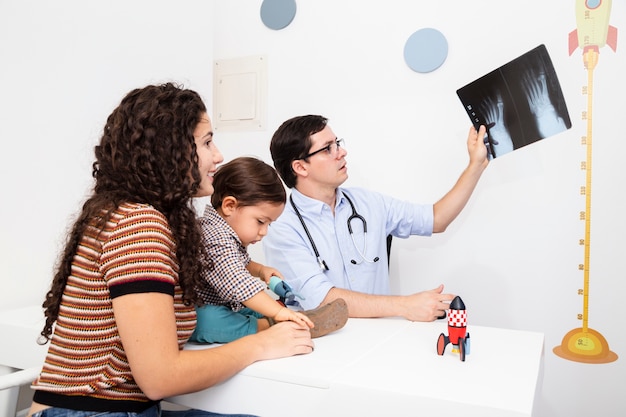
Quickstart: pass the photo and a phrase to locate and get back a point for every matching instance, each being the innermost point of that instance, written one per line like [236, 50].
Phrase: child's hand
[266, 272]
[285, 314]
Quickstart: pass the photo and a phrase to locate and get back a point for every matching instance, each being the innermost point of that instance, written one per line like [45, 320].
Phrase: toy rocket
[593, 29]
[457, 330]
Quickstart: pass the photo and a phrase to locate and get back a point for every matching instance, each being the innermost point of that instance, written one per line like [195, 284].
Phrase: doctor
[330, 242]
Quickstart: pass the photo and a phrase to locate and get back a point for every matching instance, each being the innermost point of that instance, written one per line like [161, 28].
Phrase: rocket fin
[611, 38]
[573, 41]
[462, 349]
[442, 342]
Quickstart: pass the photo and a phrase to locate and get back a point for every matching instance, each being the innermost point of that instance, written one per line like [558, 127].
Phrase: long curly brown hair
[147, 154]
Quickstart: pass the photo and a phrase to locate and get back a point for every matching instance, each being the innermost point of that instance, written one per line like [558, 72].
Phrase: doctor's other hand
[426, 305]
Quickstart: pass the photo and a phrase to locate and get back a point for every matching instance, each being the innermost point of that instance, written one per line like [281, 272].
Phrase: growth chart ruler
[585, 344]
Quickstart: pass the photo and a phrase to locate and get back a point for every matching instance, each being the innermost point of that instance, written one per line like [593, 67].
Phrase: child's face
[251, 222]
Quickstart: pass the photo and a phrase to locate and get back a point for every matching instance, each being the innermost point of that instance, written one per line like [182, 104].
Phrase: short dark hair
[250, 180]
[292, 141]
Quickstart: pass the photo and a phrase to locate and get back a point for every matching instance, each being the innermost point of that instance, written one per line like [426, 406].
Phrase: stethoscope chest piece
[354, 216]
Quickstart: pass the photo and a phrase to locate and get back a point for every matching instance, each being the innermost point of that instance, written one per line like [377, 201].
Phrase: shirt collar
[309, 204]
[214, 217]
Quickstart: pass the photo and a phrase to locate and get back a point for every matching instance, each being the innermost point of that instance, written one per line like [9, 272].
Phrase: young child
[248, 196]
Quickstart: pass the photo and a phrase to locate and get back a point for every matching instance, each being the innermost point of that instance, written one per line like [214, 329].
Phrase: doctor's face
[326, 159]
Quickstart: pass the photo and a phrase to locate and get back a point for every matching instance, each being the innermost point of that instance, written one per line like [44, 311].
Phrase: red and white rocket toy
[457, 330]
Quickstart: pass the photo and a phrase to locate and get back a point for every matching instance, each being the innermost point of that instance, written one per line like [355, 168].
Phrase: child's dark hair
[250, 180]
[292, 141]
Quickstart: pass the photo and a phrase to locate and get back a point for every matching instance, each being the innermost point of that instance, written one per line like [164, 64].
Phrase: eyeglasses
[331, 149]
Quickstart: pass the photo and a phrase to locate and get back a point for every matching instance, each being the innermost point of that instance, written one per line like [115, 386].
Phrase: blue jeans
[220, 324]
[154, 411]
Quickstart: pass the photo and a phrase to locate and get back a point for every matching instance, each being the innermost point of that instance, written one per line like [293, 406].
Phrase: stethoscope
[354, 216]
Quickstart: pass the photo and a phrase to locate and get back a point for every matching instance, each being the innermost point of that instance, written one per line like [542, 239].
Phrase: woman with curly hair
[121, 304]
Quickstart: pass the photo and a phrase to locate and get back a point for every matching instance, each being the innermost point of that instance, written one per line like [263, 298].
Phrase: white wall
[512, 255]
[65, 65]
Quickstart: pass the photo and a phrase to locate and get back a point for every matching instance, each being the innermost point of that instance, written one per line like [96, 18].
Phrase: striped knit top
[86, 367]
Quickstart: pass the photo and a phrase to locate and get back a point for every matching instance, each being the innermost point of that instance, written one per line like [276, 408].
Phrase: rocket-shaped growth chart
[593, 32]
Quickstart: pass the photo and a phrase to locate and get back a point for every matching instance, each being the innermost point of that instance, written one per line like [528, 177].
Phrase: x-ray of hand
[548, 120]
[497, 133]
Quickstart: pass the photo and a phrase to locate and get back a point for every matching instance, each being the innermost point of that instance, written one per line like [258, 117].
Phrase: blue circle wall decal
[278, 14]
[425, 50]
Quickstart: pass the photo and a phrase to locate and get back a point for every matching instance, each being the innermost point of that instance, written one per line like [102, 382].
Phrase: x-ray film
[520, 103]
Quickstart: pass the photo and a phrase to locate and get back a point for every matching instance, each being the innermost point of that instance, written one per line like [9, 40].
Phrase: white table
[378, 367]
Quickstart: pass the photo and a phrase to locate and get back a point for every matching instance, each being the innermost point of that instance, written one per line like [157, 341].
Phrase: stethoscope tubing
[353, 216]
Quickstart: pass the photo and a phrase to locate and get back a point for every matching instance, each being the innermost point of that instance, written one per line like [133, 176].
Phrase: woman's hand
[284, 339]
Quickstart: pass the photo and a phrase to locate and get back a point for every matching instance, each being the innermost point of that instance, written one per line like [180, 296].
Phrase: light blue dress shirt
[288, 249]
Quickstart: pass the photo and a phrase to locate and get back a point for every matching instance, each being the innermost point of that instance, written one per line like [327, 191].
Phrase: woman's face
[208, 155]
